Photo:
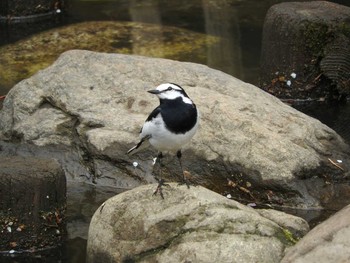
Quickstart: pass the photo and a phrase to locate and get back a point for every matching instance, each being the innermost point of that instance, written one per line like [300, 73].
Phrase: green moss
[344, 28]
[316, 35]
[286, 237]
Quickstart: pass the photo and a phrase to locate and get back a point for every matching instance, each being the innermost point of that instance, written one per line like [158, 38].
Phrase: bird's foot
[185, 179]
[186, 182]
[159, 189]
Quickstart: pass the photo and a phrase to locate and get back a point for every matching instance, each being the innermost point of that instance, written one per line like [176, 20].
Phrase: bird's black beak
[154, 91]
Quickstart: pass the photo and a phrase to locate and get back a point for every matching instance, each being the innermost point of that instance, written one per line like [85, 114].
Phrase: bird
[169, 126]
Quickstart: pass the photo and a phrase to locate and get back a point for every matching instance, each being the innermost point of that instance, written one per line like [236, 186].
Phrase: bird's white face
[170, 91]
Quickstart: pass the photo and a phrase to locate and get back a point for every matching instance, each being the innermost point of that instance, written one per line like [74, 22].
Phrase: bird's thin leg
[160, 180]
[184, 179]
[159, 159]
[179, 154]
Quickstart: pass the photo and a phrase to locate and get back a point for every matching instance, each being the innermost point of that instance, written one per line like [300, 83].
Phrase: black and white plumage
[172, 124]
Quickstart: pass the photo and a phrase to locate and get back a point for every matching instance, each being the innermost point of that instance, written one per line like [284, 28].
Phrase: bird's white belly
[164, 140]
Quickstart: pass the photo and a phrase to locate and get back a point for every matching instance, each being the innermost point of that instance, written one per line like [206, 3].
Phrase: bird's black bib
[179, 117]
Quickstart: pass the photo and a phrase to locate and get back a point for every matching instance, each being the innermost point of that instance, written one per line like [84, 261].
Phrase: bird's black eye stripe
[169, 88]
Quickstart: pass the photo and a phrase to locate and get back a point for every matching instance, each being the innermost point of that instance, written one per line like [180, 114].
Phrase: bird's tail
[143, 143]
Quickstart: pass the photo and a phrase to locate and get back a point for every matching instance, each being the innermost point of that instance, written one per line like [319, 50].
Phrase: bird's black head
[170, 91]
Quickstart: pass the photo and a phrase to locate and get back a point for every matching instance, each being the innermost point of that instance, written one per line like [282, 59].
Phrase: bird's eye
[169, 88]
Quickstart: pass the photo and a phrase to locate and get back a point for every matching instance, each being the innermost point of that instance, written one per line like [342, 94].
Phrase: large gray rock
[327, 242]
[95, 104]
[189, 225]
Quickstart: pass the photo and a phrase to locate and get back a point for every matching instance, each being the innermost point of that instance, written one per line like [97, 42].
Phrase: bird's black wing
[144, 141]
[154, 113]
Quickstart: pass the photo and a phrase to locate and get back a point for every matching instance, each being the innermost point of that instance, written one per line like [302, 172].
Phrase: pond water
[237, 25]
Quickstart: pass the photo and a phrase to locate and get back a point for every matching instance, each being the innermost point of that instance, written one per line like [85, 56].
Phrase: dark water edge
[334, 114]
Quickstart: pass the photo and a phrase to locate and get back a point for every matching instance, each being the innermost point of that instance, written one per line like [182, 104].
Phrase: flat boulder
[188, 225]
[249, 144]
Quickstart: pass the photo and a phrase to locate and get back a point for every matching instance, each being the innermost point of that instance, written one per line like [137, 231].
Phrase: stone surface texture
[188, 225]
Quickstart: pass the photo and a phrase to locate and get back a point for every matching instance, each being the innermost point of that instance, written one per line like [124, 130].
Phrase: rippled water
[239, 27]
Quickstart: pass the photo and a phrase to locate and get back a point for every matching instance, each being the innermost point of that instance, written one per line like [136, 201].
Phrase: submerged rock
[189, 225]
[249, 144]
[26, 57]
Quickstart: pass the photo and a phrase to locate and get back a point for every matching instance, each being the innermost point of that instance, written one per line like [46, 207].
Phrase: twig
[336, 165]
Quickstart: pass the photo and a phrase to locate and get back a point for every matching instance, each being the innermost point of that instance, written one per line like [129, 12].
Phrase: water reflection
[82, 201]
[222, 21]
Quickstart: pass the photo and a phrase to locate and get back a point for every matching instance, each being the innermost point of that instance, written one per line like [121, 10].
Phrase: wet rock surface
[32, 204]
[327, 242]
[249, 145]
[193, 225]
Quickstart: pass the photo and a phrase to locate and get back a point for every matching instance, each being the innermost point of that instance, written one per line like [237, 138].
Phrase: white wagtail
[169, 126]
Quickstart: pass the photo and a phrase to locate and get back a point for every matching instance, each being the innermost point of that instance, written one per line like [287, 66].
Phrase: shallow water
[238, 24]
[239, 28]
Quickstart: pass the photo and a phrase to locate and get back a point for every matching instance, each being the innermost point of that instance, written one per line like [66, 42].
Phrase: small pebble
[229, 196]
[135, 164]
[289, 83]
[339, 161]
[293, 75]
[58, 11]
[252, 204]
[12, 251]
